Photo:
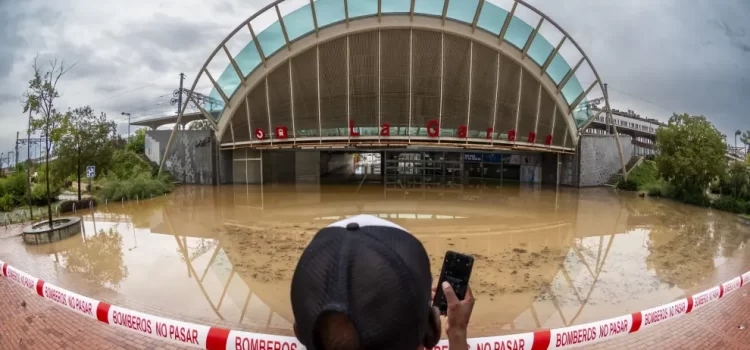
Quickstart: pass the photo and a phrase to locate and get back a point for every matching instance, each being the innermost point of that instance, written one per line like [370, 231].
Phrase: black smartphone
[456, 271]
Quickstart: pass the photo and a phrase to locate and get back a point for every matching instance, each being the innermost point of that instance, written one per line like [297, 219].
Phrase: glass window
[228, 81]
[558, 68]
[395, 6]
[572, 90]
[214, 104]
[329, 12]
[248, 58]
[360, 8]
[429, 7]
[540, 49]
[492, 18]
[518, 32]
[462, 10]
[271, 39]
[299, 22]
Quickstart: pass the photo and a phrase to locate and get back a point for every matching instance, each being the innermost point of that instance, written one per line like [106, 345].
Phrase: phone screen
[456, 271]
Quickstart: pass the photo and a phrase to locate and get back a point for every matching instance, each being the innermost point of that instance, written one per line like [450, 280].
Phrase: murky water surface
[544, 258]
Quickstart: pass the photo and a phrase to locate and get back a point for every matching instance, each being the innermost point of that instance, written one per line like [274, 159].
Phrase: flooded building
[429, 93]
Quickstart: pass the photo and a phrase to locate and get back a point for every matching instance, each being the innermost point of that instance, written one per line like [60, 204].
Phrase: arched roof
[356, 62]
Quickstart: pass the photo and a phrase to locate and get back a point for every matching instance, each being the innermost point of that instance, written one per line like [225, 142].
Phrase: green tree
[85, 140]
[691, 154]
[39, 100]
[737, 179]
[137, 142]
[745, 139]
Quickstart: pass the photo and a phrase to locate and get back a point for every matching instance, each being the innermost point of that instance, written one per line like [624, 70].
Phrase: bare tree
[39, 100]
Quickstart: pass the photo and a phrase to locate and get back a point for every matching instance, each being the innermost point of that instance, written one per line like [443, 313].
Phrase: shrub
[6, 202]
[731, 204]
[39, 193]
[641, 176]
[628, 185]
[657, 189]
[16, 185]
[126, 164]
[142, 186]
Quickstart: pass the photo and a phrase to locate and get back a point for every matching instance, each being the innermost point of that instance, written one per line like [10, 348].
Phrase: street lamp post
[127, 114]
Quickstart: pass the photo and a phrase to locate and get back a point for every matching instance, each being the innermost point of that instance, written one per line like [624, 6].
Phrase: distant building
[641, 129]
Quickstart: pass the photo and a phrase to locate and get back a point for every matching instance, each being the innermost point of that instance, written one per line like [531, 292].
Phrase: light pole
[127, 114]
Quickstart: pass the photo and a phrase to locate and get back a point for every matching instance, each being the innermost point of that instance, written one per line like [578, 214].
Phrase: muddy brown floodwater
[544, 258]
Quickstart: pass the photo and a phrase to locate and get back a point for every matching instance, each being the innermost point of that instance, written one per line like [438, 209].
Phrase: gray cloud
[671, 55]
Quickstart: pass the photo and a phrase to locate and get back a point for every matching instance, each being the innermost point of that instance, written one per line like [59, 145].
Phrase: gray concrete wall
[191, 159]
[569, 170]
[600, 159]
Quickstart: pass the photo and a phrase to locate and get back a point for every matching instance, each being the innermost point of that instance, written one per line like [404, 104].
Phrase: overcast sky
[658, 57]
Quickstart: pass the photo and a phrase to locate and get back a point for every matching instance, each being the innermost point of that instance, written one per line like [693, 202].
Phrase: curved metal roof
[284, 23]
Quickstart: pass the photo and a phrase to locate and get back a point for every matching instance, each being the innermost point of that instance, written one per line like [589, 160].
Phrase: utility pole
[179, 98]
[16, 147]
[28, 165]
[127, 114]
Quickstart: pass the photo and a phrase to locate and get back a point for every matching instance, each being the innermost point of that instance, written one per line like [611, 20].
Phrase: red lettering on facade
[548, 140]
[260, 134]
[281, 132]
[512, 135]
[385, 129]
[351, 129]
[433, 128]
[488, 135]
[532, 137]
[462, 131]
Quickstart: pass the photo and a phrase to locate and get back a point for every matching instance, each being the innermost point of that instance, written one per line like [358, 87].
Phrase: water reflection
[99, 259]
[544, 257]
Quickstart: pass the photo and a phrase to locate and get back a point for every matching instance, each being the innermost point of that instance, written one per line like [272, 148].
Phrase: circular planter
[40, 233]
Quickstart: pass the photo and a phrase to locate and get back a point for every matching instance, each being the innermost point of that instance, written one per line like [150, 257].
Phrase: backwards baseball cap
[373, 272]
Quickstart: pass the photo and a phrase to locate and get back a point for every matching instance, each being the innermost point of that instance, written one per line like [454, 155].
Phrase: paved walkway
[42, 325]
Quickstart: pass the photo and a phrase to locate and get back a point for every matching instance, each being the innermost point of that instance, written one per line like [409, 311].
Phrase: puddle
[543, 258]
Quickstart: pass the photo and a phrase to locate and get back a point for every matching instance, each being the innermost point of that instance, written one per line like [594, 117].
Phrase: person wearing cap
[365, 283]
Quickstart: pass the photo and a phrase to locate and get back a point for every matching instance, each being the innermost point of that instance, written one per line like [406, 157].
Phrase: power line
[669, 110]
[120, 94]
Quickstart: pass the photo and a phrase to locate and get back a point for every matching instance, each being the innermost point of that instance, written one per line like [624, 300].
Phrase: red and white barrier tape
[214, 338]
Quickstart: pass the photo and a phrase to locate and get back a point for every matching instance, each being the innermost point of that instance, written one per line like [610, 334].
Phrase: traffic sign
[90, 171]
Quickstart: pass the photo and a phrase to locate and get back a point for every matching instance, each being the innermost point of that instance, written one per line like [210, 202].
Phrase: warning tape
[215, 338]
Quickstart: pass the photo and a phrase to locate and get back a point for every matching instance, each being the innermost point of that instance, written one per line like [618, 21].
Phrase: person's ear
[432, 336]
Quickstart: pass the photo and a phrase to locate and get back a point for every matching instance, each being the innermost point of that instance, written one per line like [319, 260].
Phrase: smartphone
[456, 271]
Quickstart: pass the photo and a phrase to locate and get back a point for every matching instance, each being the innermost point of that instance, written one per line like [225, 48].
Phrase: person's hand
[459, 313]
